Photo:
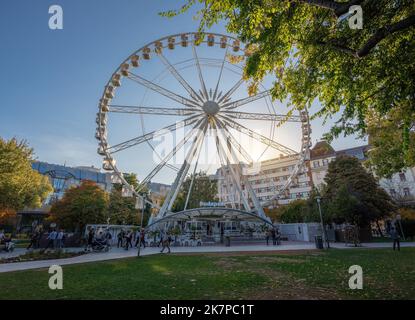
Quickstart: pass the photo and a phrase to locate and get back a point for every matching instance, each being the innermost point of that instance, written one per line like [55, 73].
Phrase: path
[116, 253]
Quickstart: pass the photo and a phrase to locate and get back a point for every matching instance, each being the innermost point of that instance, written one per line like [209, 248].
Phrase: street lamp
[325, 239]
[141, 224]
[399, 218]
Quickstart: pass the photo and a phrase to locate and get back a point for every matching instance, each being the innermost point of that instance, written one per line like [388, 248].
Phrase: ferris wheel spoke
[199, 72]
[220, 74]
[235, 125]
[179, 78]
[153, 110]
[138, 140]
[261, 116]
[241, 102]
[163, 91]
[175, 188]
[228, 94]
[172, 153]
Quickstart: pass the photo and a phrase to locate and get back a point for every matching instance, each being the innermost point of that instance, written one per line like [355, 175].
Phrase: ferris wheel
[193, 83]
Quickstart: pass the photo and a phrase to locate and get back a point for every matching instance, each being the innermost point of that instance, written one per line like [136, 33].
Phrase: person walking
[274, 236]
[59, 239]
[51, 240]
[90, 239]
[128, 239]
[120, 237]
[267, 236]
[33, 241]
[165, 242]
[278, 236]
[396, 239]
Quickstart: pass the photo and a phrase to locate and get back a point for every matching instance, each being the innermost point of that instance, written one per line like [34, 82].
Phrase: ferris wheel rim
[303, 154]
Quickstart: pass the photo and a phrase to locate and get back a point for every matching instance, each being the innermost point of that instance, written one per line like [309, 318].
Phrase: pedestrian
[278, 236]
[51, 240]
[128, 239]
[120, 237]
[143, 240]
[267, 236]
[90, 239]
[108, 237]
[136, 238]
[33, 240]
[166, 242]
[274, 236]
[396, 239]
[59, 239]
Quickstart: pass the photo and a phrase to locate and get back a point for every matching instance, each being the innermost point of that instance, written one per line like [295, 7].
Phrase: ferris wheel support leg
[245, 179]
[222, 153]
[171, 196]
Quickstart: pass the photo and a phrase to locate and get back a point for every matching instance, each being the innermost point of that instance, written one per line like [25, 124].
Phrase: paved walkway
[116, 253]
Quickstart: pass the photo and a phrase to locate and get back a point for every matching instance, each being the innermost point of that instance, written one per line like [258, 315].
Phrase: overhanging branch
[377, 37]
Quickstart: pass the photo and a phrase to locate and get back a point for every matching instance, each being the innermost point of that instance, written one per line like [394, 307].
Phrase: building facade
[271, 175]
[274, 172]
[63, 178]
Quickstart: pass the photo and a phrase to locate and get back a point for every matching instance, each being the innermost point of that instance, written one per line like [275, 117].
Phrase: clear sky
[51, 80]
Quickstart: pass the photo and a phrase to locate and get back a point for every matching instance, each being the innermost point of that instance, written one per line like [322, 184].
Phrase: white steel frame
[202, 110]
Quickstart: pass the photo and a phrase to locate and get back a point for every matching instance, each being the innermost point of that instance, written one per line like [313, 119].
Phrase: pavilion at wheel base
[213, 223]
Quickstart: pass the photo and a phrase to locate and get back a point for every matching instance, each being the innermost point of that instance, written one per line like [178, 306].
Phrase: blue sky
[51, 80]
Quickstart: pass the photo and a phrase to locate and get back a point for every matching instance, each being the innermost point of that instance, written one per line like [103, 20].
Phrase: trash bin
[228, 241]
[319, 242]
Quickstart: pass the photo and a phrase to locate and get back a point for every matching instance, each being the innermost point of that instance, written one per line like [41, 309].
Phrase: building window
[316, 164]
[392, 192]
[402, 177]
[325, 162]
[406, 192]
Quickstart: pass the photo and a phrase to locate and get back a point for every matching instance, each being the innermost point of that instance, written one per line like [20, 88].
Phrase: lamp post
[398, 217]
[325, 239]
[141, 224]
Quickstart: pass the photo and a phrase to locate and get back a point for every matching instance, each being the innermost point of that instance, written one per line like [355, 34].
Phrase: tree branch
[377, 37]
[339, 8]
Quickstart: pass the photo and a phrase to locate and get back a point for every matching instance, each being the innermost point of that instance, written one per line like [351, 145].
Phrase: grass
[297, 275]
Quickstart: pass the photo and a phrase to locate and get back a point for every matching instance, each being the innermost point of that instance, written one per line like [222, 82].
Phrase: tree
[20, 185]
[353, 195]
[203, 189]
[121, 210]
[386, 138]
[315, 55]
[81, 205]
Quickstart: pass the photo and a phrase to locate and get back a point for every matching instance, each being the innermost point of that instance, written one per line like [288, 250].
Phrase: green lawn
[298, 275]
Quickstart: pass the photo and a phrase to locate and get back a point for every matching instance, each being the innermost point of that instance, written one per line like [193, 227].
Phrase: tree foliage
[203, 189]
[353, 195]
[386, 136]
[20, 185]
[314, 54]
[81, 205]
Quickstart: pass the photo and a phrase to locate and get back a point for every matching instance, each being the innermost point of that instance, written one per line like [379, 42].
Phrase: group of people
[125, 239]
[98, 240]
[55, 240]
[275, 235]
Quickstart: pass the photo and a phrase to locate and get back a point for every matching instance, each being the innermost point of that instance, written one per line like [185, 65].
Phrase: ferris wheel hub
[211, 107]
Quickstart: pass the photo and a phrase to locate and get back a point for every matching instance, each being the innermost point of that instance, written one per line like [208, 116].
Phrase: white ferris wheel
[194, 84]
